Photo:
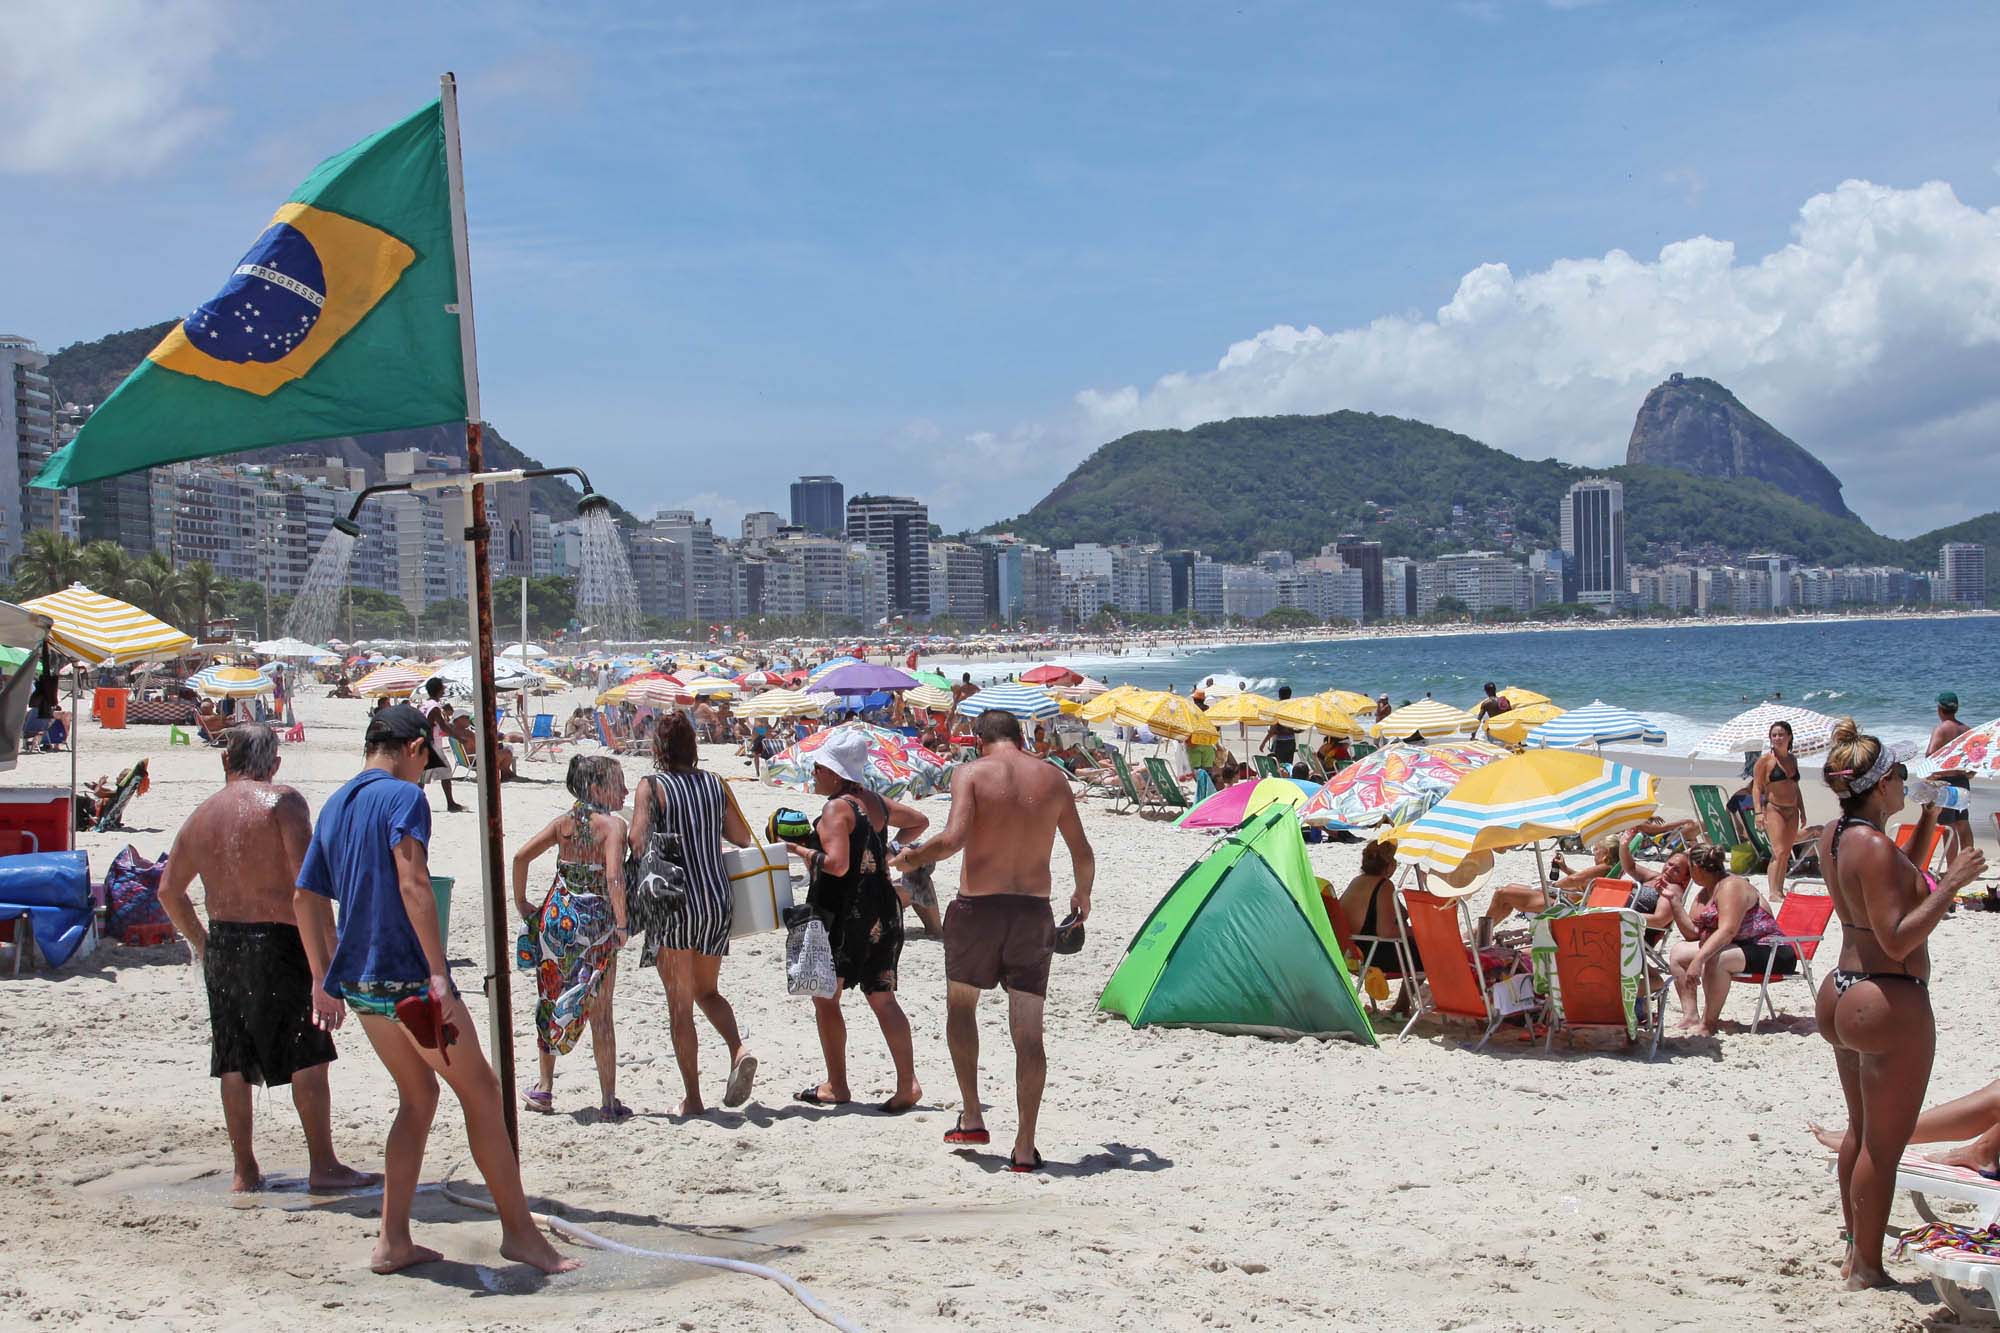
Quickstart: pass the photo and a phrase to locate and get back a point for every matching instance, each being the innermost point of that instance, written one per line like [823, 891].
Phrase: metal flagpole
[479, 608]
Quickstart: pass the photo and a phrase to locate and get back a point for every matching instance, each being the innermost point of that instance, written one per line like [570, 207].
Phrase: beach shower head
[592, 501]
[348, 526]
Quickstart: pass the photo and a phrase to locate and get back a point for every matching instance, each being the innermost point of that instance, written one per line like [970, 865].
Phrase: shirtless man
[1957, 824]
[1006, 809]
[269, 1022]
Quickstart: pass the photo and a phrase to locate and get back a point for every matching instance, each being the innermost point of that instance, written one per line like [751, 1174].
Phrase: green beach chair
[1130, 797]
[1171, 795]
[1313, 765]
[1713, 811]
[1267, 766]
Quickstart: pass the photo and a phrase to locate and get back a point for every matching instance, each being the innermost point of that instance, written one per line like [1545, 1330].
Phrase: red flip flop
[1023, 1168]
[959, 1134]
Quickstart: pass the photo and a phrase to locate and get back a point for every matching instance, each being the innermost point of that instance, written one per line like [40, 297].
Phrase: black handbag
[656, 878]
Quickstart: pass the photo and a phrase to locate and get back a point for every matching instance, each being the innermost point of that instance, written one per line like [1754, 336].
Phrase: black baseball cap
[401, 724]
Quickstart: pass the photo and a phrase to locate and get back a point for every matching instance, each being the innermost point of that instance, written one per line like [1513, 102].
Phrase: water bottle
[1925, 791]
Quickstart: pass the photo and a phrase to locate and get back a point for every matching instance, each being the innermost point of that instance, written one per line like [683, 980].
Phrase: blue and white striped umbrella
[1023, 701]
[1598, 723]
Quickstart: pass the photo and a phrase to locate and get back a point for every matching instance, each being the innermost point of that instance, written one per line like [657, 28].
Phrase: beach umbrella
[1232, 805]
[929, 698]
[785, 703]
[1241, 709]
[456, 673]
[1595, 724]
[651, 691]
[1174, 717]
[1524, 798]
[1396, 783]
[831, 664]
[1350, 701]
[1976, 752]
[713, 687]
[1104, 707]
[392, 680]
[933, 679]
[1316, 713]
[524, 650]
[293, 650]
[1521, 696]
[1222, 684]
[897, 765]
[1023, 701]
[103, 631]
[232, 682]
[1811, 732]
[862, 678]
[1426, 716]
[1083, 691]
[1051, 674]
[1512, 727]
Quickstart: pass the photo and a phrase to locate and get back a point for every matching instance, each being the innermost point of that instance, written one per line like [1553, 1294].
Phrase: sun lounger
[1801, 924]
[110, 821]
[1950, 1271]
[1171, 795]
[1605, 975]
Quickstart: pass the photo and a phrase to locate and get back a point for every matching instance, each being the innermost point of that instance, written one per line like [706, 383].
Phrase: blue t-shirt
[349, 860]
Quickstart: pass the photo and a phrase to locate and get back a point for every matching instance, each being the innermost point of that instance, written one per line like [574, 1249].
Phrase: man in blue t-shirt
[370, 853]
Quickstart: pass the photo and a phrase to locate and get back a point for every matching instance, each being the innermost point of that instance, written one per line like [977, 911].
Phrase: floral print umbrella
[1395, 784]
[897, 765]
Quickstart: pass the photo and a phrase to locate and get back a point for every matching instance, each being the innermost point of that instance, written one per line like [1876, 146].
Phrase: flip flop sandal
[811, 1097]
[616, 1113]
[959, 1134]
[742, 1077]
[541, 1103]
[890, 1108]
[1023, 1168]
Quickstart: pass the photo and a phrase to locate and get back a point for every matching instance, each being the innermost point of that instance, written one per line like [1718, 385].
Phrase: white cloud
[1870, 339]
[107, 87]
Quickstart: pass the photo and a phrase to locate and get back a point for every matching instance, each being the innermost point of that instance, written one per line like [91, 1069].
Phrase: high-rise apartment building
[1593, 536]
[900, 528]
[1365, 556]
[28, 437]
[819, 504]
[761, 526]
[1962, 573]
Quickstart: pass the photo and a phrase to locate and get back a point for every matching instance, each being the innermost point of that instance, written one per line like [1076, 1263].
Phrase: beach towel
[1631, 960]
[133, 912]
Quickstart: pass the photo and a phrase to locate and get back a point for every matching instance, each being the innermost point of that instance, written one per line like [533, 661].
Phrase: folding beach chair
[1171, 795]
[542, 735]
[1905, 835]
[1454, 984]
[114, 811]
[1713, 811]
[1377, 950]
[1267, 766]
[461, 762]
[1134, 795]
[1605, 976]
[1801, 924]
[1314, 766]
[1609, 893]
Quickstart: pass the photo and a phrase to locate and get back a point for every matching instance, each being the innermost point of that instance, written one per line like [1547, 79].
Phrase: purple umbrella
[865, 678]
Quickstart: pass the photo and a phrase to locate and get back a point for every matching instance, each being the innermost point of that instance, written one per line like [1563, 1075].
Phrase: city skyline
[1140, 225]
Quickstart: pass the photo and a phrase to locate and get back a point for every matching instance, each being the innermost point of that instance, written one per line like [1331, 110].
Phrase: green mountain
[1234, 488]
[87, 372]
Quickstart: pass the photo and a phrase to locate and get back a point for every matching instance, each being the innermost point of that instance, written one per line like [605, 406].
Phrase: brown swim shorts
[999, 939]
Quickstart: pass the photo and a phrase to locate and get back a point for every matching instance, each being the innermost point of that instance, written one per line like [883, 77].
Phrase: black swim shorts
[999, 939]
[260, 1003]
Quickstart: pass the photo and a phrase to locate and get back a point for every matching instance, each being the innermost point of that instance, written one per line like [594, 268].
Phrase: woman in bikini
[1781, 806]
[1876, 1009]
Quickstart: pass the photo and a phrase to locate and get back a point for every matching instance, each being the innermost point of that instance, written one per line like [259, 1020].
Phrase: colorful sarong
[568, 947]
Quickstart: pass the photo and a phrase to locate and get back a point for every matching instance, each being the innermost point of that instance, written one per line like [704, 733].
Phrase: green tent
[1241, 944]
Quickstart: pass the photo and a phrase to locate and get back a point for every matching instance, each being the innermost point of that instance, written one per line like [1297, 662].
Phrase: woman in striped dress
[689, 945]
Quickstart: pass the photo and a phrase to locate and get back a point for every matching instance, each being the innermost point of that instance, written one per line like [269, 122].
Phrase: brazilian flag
[337, 321]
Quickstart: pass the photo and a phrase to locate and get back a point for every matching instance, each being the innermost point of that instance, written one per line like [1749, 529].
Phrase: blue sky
[947, 250]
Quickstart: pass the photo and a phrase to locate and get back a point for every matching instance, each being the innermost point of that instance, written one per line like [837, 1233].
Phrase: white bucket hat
[845, 754]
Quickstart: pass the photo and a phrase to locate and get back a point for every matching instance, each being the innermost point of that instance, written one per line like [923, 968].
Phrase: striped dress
[692, 805]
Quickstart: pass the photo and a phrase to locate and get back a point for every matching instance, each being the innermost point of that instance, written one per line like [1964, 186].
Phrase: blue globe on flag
[269, 304]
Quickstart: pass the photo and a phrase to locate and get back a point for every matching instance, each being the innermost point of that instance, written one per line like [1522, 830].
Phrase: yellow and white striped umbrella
[1428, 716]
[928, 697]
[1525, 798]
[785, 703]
[104, 631]
[392, 681]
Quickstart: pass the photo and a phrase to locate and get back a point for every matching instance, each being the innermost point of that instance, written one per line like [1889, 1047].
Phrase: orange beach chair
[1454, 986]
[1589, 957]
[1801, 924]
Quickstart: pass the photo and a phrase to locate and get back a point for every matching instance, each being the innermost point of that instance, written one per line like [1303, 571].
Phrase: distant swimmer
[1006, 809]
[269, 1023]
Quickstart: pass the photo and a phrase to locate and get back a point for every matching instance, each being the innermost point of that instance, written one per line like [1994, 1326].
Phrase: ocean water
[1691, 679]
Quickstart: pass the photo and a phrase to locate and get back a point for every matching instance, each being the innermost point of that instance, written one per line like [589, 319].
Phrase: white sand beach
[1195, 1180]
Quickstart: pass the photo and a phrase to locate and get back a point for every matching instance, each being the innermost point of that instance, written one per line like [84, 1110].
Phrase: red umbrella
[1052, 674]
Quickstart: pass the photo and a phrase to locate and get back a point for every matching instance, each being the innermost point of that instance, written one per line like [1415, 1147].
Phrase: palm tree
[199, 584]
[156, 587]
[107, 569]
[47, 563]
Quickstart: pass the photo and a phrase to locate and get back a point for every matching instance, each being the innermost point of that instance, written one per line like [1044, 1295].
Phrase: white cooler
[760, 887]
